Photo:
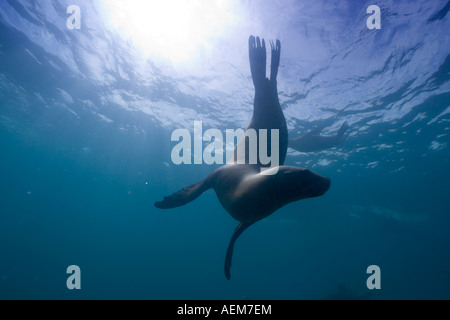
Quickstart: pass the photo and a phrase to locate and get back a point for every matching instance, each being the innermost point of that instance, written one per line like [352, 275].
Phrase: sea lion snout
[308, 184]
[322, 186]
[318, 185]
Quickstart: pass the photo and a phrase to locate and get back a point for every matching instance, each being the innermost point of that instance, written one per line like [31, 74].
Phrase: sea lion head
[299, 183]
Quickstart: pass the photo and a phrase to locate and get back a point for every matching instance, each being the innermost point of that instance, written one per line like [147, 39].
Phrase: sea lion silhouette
[248, 194]
[312, 141]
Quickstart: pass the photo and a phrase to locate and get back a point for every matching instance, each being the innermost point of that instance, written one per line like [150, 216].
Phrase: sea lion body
[249, 191]
[249, 195]
[312, 141]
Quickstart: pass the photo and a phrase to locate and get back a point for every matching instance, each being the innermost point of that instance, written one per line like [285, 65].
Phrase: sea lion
[312, 141]
[248, 194]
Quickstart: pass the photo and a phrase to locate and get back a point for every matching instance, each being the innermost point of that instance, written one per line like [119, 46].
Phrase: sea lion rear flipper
[183, 196]
[276, 50]
[237, 232]
[257, 55]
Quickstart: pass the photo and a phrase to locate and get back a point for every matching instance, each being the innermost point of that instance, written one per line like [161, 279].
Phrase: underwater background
[86, 117]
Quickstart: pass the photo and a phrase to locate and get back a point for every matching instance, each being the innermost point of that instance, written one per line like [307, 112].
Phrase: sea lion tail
[183, 196]
[237, 232]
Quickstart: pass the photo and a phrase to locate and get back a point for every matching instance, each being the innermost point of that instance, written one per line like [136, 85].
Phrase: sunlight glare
[171, 29]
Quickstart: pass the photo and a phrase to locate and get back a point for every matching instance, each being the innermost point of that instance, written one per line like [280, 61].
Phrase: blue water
[86, 119]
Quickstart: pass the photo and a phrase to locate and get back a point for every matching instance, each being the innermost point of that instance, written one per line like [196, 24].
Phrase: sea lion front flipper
[183, 196]
[237, 232]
